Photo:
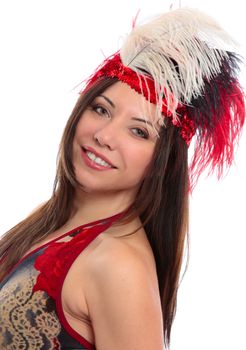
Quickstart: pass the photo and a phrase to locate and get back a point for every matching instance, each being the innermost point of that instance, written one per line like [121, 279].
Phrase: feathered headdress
[183, 62]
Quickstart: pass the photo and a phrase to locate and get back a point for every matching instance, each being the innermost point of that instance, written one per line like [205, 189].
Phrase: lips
[98, 155]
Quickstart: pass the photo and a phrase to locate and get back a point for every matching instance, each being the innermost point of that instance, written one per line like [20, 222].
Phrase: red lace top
[31, 313]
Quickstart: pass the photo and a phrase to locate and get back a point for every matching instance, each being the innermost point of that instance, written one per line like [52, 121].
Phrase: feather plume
[218, 116]
[178, 50]
[184, 62]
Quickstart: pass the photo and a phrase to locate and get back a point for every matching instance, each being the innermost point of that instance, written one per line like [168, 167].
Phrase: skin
[115, 133]
[116, 305]
[110, 295]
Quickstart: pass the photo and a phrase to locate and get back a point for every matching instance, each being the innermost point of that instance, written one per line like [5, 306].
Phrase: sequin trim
[113, 67]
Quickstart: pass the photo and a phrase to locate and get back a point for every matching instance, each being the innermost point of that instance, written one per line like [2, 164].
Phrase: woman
[98, 265]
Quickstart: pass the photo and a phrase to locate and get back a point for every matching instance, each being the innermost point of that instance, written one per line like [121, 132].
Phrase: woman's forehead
[120, 95]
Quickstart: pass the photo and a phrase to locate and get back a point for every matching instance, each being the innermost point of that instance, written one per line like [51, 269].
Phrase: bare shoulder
[122, 294]
[120, 255]
[122, 252]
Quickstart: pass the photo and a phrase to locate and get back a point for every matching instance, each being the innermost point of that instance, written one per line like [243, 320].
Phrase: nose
[107, 136]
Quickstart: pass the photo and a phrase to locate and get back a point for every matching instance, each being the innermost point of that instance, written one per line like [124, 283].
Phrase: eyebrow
[108, 100]
[136, 119]
[143, 121]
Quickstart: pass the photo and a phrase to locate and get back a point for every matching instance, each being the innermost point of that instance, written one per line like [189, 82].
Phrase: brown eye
[100, 110]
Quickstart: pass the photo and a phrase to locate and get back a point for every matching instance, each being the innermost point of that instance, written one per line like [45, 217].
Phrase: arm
[124, 303]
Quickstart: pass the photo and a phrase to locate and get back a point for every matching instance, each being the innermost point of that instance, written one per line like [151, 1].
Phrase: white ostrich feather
[187, 36]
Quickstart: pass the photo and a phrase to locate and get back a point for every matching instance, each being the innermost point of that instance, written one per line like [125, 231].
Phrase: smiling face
[114, 141]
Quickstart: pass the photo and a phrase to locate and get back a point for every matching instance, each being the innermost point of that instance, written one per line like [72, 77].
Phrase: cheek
[141, 158]
[84, 128]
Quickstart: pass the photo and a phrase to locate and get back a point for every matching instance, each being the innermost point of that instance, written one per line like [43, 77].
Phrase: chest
[45, 289]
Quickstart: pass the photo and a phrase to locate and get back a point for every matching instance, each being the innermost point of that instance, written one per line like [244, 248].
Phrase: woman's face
[114, 141]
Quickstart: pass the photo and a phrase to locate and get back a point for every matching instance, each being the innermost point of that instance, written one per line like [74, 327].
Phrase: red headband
[113, 67]
[216, 116]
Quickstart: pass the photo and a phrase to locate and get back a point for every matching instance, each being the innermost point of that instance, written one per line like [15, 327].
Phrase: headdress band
[113, 67]
[180, 61]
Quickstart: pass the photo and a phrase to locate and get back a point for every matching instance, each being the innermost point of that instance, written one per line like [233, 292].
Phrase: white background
[46, 49]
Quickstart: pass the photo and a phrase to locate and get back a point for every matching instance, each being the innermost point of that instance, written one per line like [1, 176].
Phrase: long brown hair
[162, 204]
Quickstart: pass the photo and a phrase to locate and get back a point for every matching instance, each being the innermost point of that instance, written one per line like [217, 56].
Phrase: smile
[97, 160]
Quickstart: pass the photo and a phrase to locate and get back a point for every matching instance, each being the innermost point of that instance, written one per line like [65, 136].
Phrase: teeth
[97, 160]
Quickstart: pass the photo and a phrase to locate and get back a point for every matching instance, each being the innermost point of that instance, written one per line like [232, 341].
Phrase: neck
[90, 207]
